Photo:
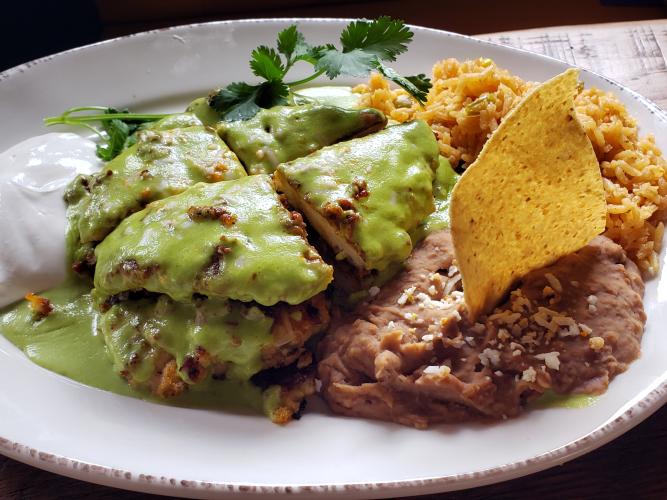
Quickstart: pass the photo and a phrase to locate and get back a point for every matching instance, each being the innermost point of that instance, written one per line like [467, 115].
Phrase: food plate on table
[63, 426]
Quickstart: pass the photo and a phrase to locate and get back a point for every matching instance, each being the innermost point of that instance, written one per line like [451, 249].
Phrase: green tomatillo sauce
[552, 400]
[69, 342]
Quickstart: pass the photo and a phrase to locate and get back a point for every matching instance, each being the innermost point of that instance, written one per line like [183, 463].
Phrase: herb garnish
[118, 126]
[366, 45]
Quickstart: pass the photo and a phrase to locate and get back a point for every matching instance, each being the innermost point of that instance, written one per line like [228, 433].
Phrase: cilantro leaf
[240, 101]
[236, 101]
[117, 130]
[305, 51]
[422, 83]
[117, 133]
[271, 94]
[265, 63]
[365, 45]
[417, 85]
[292, 44]
[287, 40]
[384, 37]
[354, 63]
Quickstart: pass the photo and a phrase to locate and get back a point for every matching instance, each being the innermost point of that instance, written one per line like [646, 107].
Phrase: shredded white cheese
[529, 374]
[550, 359]
[489, 357]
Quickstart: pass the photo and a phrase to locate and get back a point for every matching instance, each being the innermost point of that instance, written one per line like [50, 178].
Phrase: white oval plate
[61, 426]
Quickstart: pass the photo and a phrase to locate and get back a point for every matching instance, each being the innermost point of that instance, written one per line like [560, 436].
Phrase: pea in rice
[470, 98]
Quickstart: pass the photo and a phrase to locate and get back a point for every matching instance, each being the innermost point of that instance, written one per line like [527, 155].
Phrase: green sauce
[284, 133]
[64, 342]
[330, 95]
[230, 331]
[264, 259]
[168, 157]
[445, 180]
[552, 400]
[68, 342]
[205, 113]
[385, 181]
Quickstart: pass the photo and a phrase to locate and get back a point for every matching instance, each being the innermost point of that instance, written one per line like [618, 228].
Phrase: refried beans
[410, 355]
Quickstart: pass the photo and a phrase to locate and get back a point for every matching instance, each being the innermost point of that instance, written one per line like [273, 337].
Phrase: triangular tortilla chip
[534, 194]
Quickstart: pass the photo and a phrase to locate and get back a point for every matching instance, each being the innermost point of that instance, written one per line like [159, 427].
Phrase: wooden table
[633, 466]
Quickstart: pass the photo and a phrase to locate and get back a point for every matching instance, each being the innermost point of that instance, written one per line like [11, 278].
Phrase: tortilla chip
[534, 194]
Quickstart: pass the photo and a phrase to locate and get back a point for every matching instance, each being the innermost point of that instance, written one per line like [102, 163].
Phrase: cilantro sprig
[117, 126]
[365, 46]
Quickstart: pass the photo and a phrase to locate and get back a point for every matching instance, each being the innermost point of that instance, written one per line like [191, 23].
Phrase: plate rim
[633, 413]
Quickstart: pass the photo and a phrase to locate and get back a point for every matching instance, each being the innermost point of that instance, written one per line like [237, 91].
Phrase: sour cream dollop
[33, 177]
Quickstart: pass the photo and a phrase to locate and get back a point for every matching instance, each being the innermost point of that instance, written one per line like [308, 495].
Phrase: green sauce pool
[67, 342]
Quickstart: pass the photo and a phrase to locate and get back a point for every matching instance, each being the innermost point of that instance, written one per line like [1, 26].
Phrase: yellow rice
[469, 99]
